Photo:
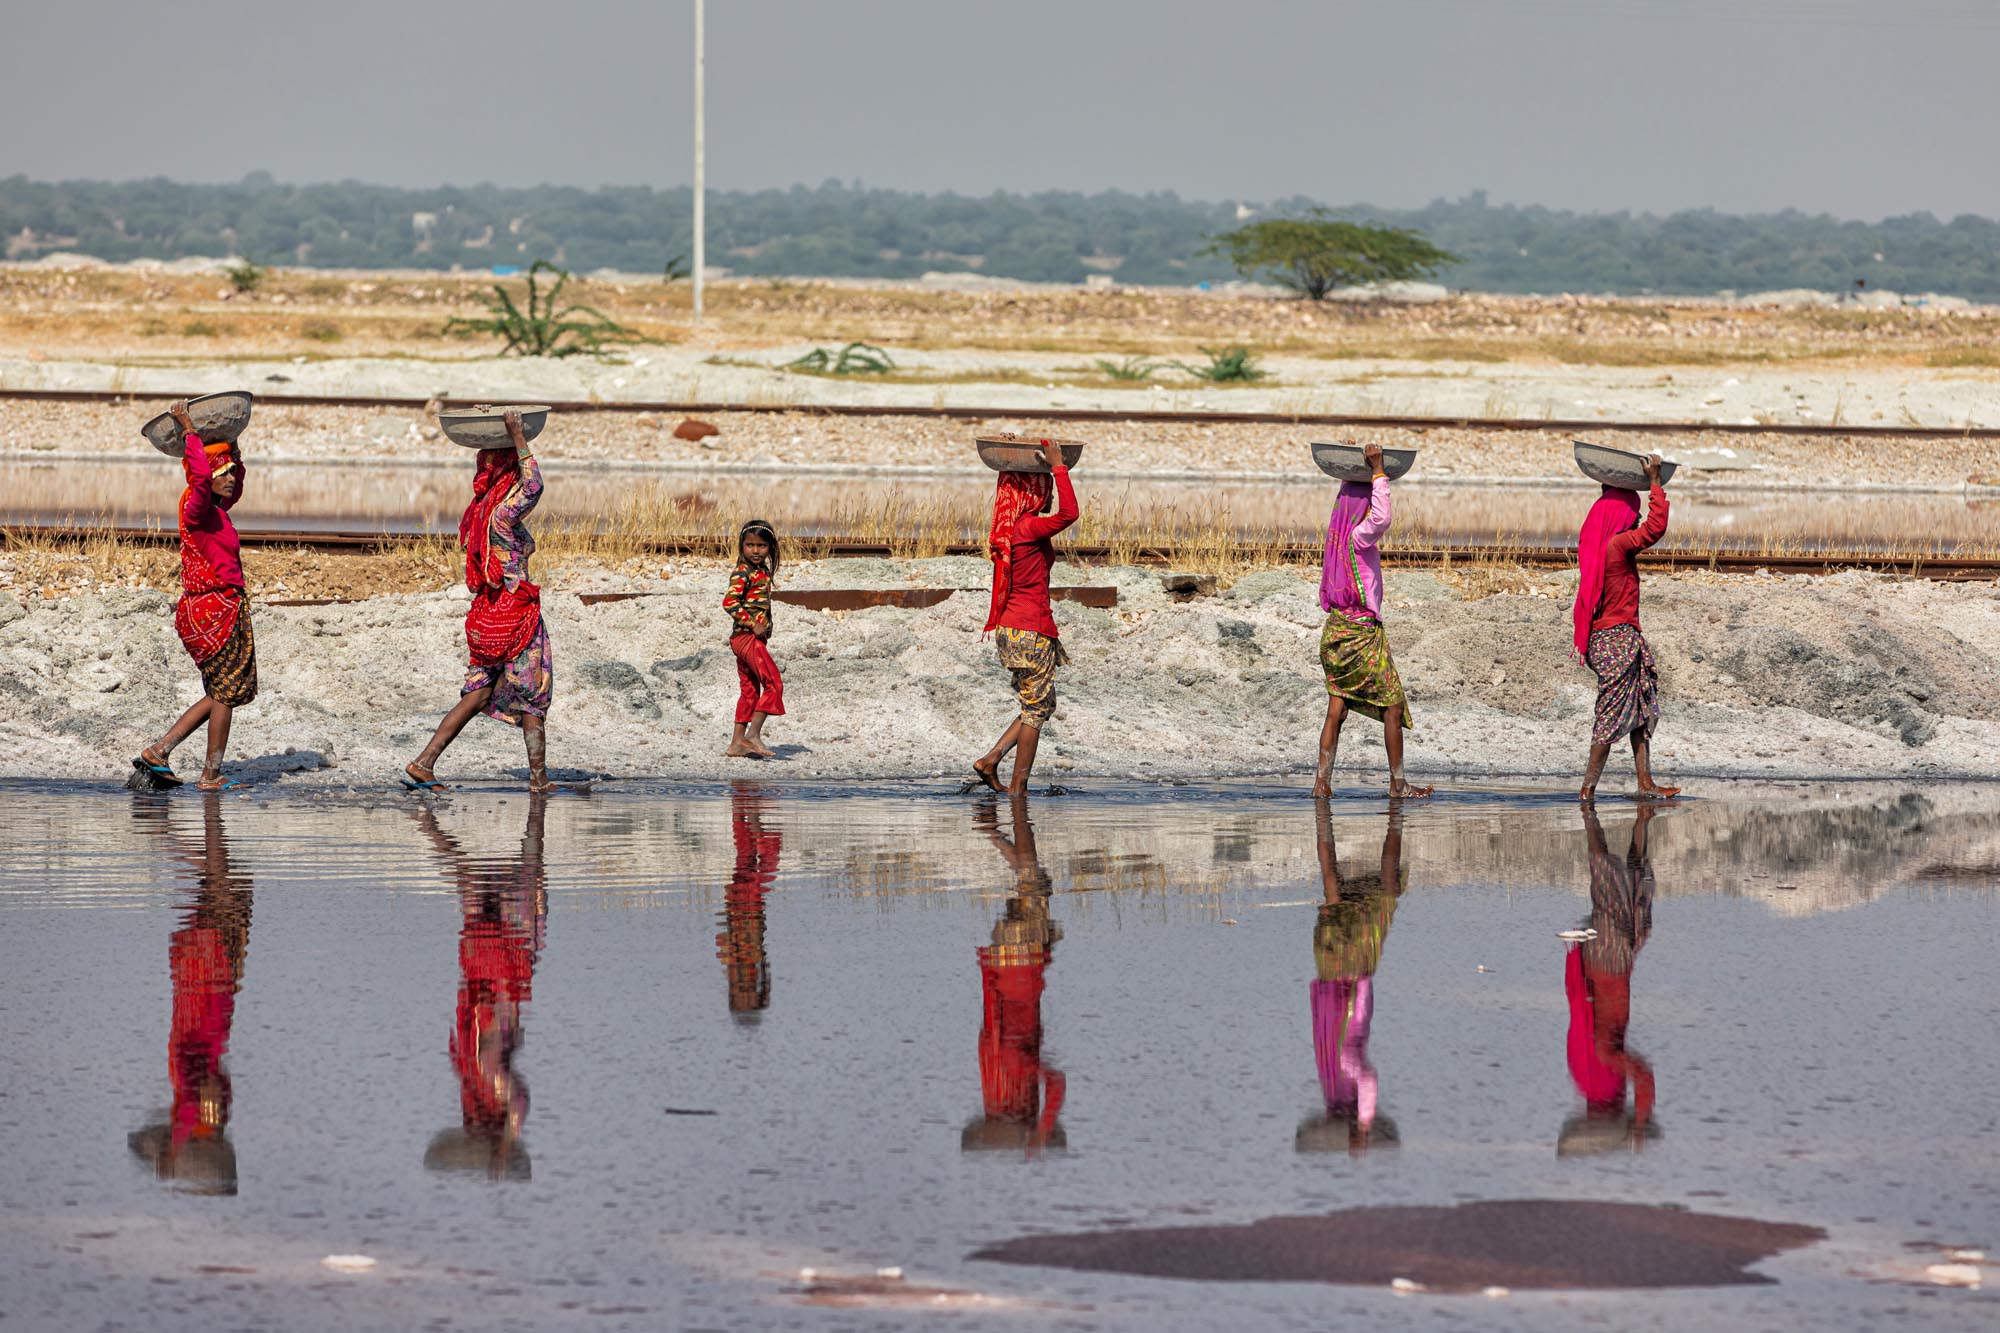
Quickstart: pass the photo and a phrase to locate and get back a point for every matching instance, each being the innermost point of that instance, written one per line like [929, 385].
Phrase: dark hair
[758, 527]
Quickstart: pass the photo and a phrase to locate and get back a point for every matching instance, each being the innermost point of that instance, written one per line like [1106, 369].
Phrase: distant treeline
[850, 231]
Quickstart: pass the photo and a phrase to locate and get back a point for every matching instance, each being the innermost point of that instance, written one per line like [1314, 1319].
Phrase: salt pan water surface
[638, 1058]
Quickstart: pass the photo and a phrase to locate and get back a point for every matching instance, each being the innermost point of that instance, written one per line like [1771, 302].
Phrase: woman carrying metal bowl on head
[213, 615]
[511, 675]
[1607, 637]
[1361, 675]
[1023, 626]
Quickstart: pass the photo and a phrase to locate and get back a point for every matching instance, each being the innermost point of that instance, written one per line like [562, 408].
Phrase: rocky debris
[1853, 675]
[1187, 587]
[693, 430]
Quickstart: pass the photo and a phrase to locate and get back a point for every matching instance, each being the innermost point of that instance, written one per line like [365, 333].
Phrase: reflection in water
[740, 946]
[503, 909]
[190, 1147]
[1023, 1095]
[1352, 927]
[1597, 976]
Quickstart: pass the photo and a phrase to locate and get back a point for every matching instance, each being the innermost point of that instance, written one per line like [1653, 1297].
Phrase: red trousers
[763, 689]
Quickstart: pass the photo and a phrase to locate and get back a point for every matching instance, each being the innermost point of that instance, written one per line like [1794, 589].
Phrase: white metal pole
[700, 165]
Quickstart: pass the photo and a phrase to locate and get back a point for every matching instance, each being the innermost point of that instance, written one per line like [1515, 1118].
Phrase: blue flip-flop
[228, 784]
[411, 784]
[161, 774]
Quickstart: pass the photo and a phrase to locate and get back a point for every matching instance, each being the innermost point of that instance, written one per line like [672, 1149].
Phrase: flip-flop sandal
[981, 778]
[227, 784]
[413, 784]
[161, 774]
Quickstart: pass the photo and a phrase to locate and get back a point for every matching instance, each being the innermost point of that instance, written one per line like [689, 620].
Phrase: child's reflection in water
[1023, 1095]
[1353, 925]
[190, 1146]
[1597, 977]
[740, 946]
[504, 911]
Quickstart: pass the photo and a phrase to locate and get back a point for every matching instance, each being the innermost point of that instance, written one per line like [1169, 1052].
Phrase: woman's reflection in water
[1353, 925]
[740, 946]
[1597, 976]
[1023, 1095]
[190, 1146]
[504, 912]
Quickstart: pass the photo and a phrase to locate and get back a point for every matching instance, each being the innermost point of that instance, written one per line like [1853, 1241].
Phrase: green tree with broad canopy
[1314, 254]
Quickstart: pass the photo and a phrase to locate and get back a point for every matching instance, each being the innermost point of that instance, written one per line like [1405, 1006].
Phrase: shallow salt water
[635, 1059]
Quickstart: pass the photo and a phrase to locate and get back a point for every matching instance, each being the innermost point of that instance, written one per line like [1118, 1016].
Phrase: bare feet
[988, 773]
[1404, 791]
[1657, 793]
[742, 749]
[763, 751]
[1587, 796]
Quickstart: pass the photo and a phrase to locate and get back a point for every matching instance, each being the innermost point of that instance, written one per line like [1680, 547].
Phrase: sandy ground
[790, 442]
[1851, 675]
[1026, 382]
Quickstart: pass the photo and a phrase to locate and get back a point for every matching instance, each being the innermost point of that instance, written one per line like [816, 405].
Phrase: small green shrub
[321, 331]
[545, 328]
[199, 328]
[1131, 368]
[1228, 365]
[857, 358]
[246, 275]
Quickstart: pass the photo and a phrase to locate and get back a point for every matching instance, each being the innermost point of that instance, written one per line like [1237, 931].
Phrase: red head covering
[221, 458]
[1616, 511]
[498, 470]
[1016, 495]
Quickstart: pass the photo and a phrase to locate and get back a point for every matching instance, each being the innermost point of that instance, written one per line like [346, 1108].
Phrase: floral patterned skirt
[1032, 660]
[229, 676]
[1359, 669]
[1628, 689]
[521, 687]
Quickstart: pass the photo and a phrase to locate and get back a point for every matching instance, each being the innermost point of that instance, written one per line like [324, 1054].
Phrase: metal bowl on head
[219, 418]
[1347, 462]
[485, 427]
[1618, 467]
[1021, 453]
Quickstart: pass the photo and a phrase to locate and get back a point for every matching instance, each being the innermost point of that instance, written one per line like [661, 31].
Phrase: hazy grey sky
[1856, 107]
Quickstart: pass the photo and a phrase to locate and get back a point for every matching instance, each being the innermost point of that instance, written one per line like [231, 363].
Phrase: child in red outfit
[748, 602]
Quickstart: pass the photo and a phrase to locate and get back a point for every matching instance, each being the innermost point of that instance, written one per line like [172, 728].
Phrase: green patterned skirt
[1355, 656]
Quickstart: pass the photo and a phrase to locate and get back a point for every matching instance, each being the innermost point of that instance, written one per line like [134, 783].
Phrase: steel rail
[1938, 567]
[1156, 416]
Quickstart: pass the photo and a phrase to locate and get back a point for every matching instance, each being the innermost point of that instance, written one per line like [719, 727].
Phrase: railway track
[1944, 568]
[1081, 415]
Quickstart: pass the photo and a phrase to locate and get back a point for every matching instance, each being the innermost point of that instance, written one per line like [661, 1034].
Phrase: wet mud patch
[1523, 1244]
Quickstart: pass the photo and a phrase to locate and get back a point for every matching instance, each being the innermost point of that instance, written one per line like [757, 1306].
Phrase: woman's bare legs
[1592, 772]
[1026, 737]
[987, 766]
[739, 744]
[1329, 745]
[1392, 741]
[468, 707]
[534, 730]
[217, 716]
[162, 750]
[1642, 762]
